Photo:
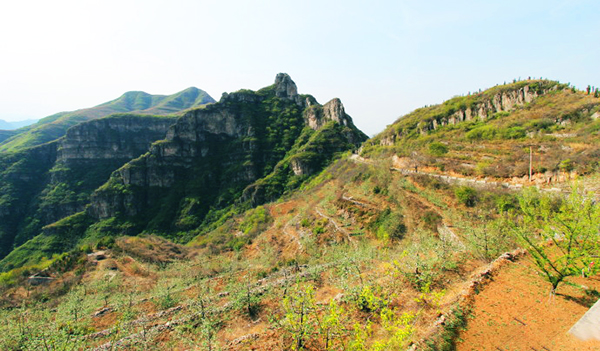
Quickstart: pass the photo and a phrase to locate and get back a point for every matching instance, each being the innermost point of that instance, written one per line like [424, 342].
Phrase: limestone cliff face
[317, 116]
[64, 173]
[210, 155]
[116, 137]
[502, 102]
[477, 107]
[89, 153]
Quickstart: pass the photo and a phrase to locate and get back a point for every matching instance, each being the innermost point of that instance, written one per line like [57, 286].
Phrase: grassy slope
[558, 126]
[384, 254]
[5, 134]
[336, 238]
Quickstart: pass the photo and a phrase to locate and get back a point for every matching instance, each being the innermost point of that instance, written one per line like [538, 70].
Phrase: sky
[383, 59]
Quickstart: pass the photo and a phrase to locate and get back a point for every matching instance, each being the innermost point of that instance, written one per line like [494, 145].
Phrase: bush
[389, 225]
[437, 149]
[566, 165]
[431, 220]
[466, 195]
[513, 133]
[482, 133]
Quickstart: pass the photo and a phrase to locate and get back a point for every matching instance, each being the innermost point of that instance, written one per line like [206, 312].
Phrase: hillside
[42, 184]
[5, 134]
[259, 223]
[490, 134]
[53, 127]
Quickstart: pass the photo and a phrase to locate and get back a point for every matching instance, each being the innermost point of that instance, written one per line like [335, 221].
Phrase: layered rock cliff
[248, 148]
[43, 184]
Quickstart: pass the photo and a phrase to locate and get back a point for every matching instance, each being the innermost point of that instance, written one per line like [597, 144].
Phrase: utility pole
[530, 163]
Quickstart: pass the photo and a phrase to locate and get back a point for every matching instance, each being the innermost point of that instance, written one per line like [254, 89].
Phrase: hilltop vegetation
[490, 133]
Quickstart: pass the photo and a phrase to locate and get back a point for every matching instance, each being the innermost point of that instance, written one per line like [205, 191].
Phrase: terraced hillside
[388, 248]
[491, 134]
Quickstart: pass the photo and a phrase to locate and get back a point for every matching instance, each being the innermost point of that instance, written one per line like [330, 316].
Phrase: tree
[298, 308]
[561, 237]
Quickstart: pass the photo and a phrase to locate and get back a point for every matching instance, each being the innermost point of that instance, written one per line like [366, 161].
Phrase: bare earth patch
[515, 312]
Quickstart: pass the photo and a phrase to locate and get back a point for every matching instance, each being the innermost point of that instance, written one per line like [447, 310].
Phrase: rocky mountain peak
[334, 110]
[285, 87]
[317, 116]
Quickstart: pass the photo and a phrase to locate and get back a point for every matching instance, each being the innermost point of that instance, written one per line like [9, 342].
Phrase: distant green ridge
[55, 126]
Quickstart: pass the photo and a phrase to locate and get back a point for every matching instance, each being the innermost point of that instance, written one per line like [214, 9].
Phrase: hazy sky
[382, 58]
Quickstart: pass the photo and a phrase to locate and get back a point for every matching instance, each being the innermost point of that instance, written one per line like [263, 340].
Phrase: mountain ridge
[8, 125]
[271, 140]
[54, 126]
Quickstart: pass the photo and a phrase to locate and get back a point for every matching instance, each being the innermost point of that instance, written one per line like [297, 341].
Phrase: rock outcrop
[116, 137]
[502, 102]
[240, 142]
[317, 116]
[285, 87]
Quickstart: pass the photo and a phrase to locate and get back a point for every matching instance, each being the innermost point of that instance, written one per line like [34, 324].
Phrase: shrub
[389, 225]
[466, 195]
[513, 133]
[566, 165]
[431, 220]
[482, 133]
[437, 149]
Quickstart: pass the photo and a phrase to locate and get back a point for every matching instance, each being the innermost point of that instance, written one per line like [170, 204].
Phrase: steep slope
[42, 184]
[55, 126]
[248, 149]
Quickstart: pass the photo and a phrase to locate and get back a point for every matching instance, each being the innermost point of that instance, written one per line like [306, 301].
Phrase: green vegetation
[438, 149]
[454, 137]
[290, 242]
[466, 195]
[55, 126]
[570, 225]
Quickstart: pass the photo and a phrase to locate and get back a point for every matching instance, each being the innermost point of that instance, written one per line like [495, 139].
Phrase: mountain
[42, 184]
[247, 149]
[53, 127]
[268, 221]
[5, 125]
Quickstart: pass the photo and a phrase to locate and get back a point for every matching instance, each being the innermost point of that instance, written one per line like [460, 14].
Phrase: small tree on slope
[562, 237]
